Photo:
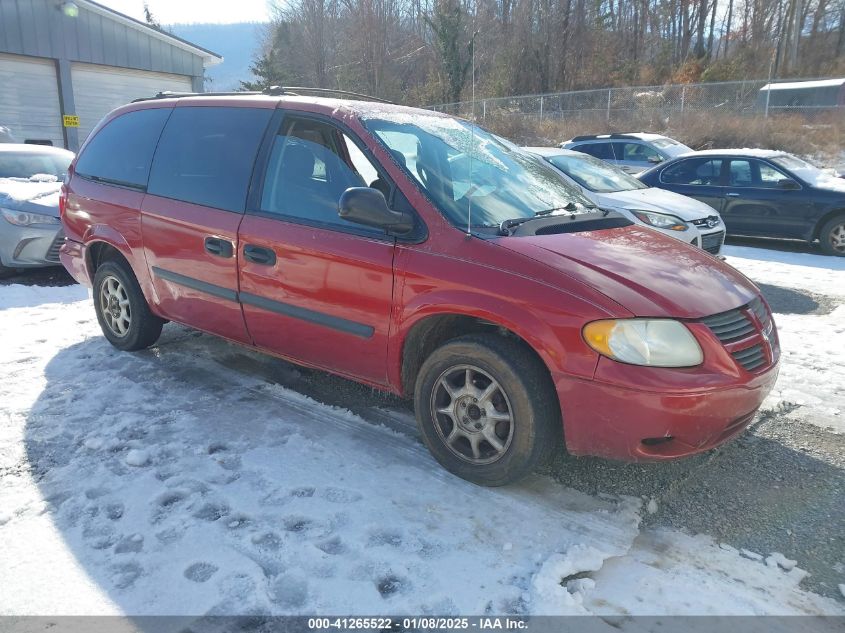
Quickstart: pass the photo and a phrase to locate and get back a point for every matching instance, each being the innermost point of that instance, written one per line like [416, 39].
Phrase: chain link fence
[658, 102]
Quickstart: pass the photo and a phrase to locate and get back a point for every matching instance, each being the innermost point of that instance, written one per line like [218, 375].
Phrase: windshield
[467, 170]
[800, 167]
[30, 163]
[594, 174]
[670, 146]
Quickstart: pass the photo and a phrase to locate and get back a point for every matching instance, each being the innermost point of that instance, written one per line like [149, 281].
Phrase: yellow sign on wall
[70, 120]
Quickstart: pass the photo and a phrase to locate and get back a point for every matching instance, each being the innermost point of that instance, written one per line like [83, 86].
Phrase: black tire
[832, 235]
[5, 271]
[142, 328]
[524, 391]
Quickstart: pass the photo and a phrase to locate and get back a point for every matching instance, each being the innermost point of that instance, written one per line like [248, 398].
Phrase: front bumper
[712, 240]
[30, 246]
[617, 422]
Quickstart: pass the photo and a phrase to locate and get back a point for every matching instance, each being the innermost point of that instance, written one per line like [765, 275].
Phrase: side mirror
[655, 159]
[788, 184]
[367, 206]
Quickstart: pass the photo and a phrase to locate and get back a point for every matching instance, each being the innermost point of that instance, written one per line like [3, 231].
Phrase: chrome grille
[729, 326]
[751, 358]
[759, 310]
[748, 334]
[712, 242]
[53, 251]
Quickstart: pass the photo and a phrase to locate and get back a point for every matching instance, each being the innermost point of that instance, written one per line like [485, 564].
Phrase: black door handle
[259, 255]
[219, 247]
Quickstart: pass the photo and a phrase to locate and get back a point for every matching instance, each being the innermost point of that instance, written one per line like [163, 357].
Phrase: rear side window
[121, 152]
[603, 151]
[206, 155]
[695, 171]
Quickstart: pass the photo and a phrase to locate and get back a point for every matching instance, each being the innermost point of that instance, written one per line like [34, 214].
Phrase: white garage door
[97, 90]
[29, 99]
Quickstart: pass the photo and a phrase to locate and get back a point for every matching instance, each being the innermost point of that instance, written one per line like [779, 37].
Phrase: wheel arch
[429, 331]
[103, 243]
[827, 217]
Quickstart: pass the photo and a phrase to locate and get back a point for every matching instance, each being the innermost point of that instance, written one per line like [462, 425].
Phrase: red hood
[647, 273]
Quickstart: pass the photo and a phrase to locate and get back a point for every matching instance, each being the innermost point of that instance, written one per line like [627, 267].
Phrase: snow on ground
[818, 274]
[811, 385]
[164, 482]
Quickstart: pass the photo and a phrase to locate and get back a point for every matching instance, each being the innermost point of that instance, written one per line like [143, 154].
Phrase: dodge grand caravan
[418, 254]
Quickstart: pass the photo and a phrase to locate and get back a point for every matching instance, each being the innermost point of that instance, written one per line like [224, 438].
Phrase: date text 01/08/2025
[412, 623]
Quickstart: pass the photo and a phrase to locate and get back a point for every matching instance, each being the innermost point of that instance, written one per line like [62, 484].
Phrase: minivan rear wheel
[486, 409]
[122, 311]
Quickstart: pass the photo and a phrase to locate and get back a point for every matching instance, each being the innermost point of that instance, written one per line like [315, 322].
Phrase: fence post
[541, 108]
[683, 97]
[484, 109]
[608, 104]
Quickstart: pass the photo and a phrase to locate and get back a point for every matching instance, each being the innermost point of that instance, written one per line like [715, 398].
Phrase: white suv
[608, 187]
[633, 152]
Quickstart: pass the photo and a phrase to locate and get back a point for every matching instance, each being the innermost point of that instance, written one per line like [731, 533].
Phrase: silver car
[633, 152]
[608, 187]
[30, 180]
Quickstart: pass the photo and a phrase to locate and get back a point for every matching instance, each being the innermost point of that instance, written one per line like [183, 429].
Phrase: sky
[191, 11]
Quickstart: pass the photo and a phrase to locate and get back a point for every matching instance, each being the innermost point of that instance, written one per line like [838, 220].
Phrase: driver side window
[636, 152]
[311, 164]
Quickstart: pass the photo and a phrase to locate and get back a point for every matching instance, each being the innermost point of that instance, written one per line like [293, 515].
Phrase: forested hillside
[420, 51]
[238, 44]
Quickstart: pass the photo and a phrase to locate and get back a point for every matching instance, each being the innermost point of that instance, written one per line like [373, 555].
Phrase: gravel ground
[777, 488]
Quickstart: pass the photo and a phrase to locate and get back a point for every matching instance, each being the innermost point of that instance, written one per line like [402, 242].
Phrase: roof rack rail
[282, 90]
[592, 137]
[273, 91]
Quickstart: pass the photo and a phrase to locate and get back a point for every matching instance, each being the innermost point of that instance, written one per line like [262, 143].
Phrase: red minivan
[422, 255]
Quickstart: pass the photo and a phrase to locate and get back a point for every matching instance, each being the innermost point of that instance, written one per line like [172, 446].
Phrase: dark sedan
[761, 193]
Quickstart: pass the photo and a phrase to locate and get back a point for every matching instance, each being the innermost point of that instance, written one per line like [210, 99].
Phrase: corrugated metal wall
[39, 28]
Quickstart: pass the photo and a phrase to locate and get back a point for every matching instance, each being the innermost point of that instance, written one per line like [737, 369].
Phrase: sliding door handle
[219, 247]
[259, 255]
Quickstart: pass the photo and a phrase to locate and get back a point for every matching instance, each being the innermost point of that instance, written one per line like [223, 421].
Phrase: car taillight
[62, 201]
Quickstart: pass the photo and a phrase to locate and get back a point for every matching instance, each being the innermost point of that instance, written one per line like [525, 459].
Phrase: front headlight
[660, 220]
[653, 342]
[21, 218]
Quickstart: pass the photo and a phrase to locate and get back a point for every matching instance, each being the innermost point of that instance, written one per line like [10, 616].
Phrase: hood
[827, 181]
[32, 197]
[660, 200]
[642, 270]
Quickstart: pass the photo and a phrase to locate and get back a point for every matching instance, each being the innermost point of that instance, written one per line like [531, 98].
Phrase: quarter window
[693, 172]
[206, 155]
[311, 164]
[121, 152]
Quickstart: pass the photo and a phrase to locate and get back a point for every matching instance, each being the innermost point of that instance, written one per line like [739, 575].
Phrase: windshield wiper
[507, 226]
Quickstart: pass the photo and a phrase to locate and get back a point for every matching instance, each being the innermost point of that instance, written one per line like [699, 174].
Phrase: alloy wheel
[837, 238]
[114, 306]
[472, 414]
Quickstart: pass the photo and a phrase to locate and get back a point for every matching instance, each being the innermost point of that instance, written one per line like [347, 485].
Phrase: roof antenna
[472, 131]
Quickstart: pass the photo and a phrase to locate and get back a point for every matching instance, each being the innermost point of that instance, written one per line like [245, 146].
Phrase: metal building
[65, 64]
[822, 94]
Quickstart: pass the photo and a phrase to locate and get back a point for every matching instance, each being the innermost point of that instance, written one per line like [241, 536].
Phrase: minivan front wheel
[122, 310]
[486, 409]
